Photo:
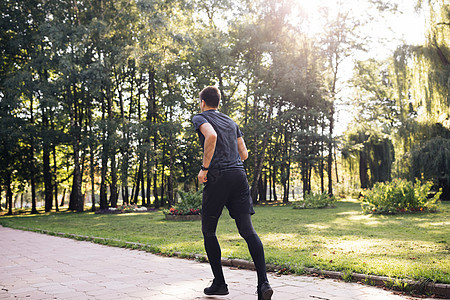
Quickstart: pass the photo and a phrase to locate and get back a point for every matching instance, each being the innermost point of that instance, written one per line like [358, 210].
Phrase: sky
[387, 31]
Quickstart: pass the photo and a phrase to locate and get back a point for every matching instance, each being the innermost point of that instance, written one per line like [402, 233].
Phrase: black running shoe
[265, 292]
[216, 289]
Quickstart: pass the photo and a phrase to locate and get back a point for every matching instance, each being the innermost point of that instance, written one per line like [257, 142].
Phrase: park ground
[37, 266]
[403, 246]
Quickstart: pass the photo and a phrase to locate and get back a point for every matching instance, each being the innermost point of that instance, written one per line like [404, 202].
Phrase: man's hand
[202, 176]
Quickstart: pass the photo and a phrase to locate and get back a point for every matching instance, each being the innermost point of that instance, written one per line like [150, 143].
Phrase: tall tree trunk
[76, 198]
[321, 163]
[274, 182]
[287, 168]
[162, 202]
[170, 193]
[151, 117]
[262, 197]
[247, 95]
[270, 183]
[330, 151]
[113, 187]
[255, 151]
[48, 188]
[170, 198]
[141, 179]
[138, 183]
[288, 182]
[155, 185]
[112, 151]
[363, 175]
[63, 198]
[284, 182]
[142, 185]
[154, 118]
[309, 177]
[149, 178]
[304, 178]
[104, 167]
[124, 151]
[55, 168]
[33, 188]
[133, 189]
[260, 161]
[91, 162]
[48, 177]
[265, 186]
[335, 165]
[32, 163]
[9, 194]
[331, 118]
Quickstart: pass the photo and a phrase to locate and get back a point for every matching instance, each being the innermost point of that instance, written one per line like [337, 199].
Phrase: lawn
[414, 246]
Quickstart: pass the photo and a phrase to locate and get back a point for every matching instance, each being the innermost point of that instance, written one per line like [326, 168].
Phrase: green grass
[414, 246]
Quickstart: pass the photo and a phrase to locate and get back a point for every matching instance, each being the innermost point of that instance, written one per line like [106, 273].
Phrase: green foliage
[315, 200]
[431, 161]
[189, 204]
[373, 151]
[109, 88]
[347, 275]
[399, 196]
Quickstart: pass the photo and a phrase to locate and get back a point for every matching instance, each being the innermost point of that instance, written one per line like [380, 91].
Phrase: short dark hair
[211, 96]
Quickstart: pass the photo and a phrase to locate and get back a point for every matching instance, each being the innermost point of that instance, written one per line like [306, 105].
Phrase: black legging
[246, 230]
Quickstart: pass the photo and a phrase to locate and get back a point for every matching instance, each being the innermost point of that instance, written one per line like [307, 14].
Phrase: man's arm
[243, 153]
[209, 147]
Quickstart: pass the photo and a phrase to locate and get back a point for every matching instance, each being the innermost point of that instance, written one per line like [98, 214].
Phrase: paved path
[38, 266]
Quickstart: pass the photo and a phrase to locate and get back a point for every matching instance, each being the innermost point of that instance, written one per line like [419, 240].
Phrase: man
[225, 184]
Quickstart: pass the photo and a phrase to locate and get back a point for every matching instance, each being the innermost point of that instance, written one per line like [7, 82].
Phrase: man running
[225, 184]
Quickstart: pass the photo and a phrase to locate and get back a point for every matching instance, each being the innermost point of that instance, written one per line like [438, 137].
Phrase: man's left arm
[242, 149]
[209, 147]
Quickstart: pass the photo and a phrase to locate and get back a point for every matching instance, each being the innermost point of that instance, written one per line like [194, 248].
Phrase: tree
[431, 161]
[340, 41]
[374, 151]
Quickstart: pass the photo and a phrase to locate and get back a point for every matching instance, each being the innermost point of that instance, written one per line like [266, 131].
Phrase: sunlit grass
[415, 246]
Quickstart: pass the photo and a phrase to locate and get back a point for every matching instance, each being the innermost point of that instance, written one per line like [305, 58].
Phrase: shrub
[313, 200]
[399, 196]
[189, 204]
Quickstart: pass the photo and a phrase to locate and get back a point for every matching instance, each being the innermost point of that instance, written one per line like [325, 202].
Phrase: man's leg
[212, 247]
[246, 230]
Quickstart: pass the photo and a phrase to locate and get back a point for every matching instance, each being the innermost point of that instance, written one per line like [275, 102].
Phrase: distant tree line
[96, 98]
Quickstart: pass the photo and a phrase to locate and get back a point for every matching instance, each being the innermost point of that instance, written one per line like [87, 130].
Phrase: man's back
[226, 154]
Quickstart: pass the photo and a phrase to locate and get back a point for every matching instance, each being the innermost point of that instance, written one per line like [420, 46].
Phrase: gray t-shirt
[226, 154]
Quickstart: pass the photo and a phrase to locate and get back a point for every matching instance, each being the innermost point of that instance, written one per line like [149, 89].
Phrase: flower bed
[178, 212]
[189, 205]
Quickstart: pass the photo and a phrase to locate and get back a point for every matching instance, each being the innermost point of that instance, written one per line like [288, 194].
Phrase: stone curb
[421, 287]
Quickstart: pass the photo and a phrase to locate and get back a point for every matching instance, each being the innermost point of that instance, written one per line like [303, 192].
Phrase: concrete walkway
[38, 266]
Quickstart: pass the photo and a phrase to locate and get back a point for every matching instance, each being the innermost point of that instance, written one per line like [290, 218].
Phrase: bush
[399, 196]
[313, 200]
[189, 204]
